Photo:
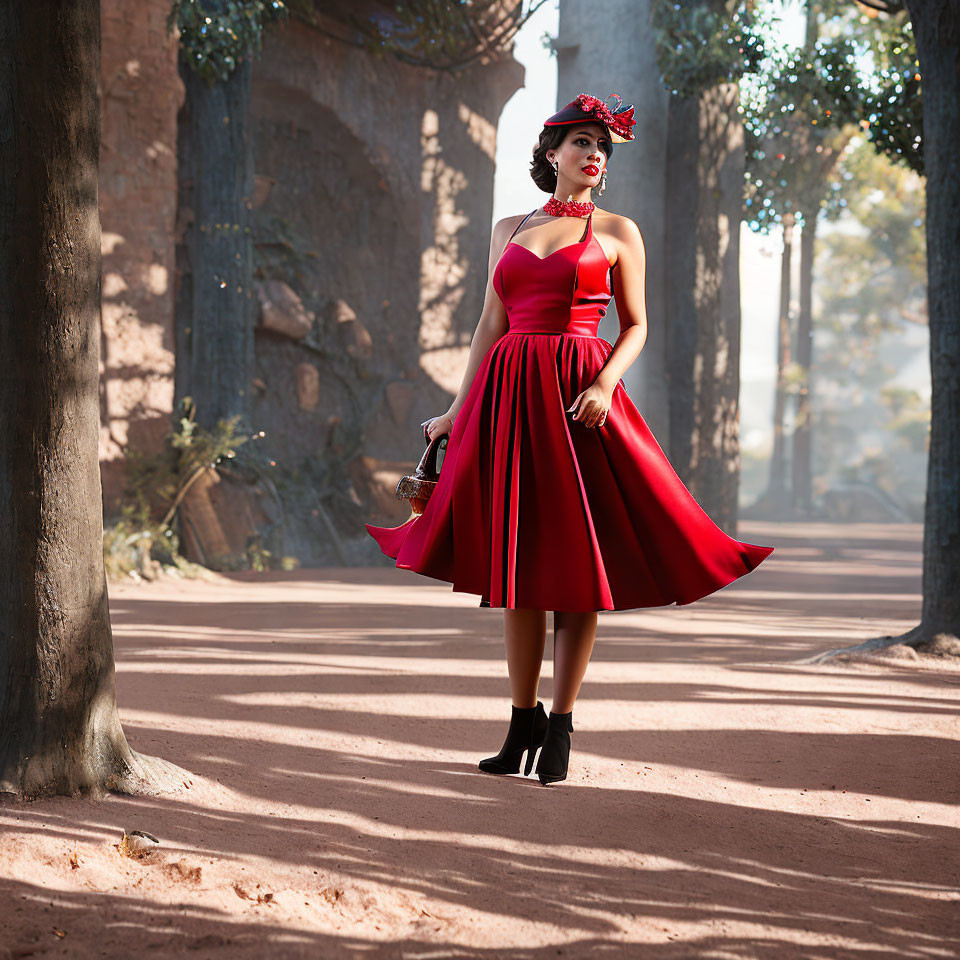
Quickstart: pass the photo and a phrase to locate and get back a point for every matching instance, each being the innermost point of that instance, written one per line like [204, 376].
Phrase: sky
[515, 192]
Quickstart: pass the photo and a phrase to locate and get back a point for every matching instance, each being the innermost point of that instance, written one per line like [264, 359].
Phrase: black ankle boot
[555, 754]
[528, 726]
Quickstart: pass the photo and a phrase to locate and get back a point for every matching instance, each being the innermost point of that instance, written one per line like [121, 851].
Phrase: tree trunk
[680, 262]
[936, 28]
[59, 729]
[776, 495]
[214, 304]
[705, 190]
[716, 464]
[802, 467]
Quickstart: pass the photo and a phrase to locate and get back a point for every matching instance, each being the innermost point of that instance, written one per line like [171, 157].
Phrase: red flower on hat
[619, 123]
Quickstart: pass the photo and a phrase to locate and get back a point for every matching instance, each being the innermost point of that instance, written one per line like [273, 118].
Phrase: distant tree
[59, 729]
[801, 113]
[873, 284]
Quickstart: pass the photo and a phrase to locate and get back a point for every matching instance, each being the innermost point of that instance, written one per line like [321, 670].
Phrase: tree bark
[705, 190]
[59, 729]
[802, 466]
[936, 28]
[776, 496]
[214, 304]
[716, 462]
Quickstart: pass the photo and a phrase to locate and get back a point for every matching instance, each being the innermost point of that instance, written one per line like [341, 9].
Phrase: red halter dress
[533, 509]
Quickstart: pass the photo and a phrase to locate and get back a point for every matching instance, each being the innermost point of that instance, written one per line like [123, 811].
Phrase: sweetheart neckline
[513, 243]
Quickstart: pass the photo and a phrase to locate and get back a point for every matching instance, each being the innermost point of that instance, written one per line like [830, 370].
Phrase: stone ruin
[372, 214]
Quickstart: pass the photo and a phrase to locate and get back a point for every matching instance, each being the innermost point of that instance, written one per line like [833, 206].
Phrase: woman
[553, 493]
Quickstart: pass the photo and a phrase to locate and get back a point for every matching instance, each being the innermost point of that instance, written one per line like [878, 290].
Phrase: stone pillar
[615, 53]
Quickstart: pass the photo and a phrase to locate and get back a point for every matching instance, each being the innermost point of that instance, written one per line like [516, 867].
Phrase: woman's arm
[491, 326]
[629, 272]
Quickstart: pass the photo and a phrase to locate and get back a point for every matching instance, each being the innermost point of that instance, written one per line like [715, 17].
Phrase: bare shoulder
[503, 228]
[619, 226]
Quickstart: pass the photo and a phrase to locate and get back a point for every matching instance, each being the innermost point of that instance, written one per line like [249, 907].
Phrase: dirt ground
[725, 800]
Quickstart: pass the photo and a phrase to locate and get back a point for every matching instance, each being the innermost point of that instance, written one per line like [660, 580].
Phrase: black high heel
[555, 753]
[528, 727]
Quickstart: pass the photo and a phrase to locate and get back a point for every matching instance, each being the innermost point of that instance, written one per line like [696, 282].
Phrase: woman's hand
[437, 426]
[594, 402]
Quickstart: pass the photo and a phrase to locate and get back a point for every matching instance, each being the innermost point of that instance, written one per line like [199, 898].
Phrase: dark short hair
[550, 138]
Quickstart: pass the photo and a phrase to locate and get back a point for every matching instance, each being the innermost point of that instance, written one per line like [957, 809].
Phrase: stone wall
[140, 96]
[373, 206]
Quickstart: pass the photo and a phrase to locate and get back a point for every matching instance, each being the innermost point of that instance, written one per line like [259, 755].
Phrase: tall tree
[776, 494]
[936, 29]
[703, 48]
[59, 729]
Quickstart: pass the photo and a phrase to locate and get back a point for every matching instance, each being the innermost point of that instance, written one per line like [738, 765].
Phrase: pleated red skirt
[534, 510]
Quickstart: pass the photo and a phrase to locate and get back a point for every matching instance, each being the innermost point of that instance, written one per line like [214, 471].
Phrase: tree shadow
[345, 739]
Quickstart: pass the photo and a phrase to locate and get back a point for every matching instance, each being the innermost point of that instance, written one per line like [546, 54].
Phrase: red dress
[533, 509]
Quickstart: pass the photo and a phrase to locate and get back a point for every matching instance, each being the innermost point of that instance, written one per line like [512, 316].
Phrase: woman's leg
[573, 637]
[524, 636]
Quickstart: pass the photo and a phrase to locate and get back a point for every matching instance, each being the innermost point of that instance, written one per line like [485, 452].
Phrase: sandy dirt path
[724, 800]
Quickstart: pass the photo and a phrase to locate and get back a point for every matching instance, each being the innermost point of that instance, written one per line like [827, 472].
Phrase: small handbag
[417, 489]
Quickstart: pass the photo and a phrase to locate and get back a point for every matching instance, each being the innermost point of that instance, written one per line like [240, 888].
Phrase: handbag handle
[427, 467]
[417, 488]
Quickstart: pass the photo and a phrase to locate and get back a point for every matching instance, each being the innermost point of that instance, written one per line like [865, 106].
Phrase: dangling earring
[556, 166]
[603, 183]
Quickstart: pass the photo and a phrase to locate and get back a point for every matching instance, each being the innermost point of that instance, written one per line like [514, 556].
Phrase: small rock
[353, 335]
[307, 381]
[282, 310]
[137, 844]
[262, 185]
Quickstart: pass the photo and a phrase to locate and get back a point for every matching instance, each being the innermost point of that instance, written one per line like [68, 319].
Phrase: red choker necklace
[568, 208]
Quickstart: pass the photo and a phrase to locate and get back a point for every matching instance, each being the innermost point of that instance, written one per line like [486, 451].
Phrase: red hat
[587, 108]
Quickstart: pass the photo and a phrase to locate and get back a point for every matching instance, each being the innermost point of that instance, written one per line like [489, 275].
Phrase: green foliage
[893, 104]
[157, 482]
[794, 125]
[703, 44]
[215, 35]
[799, 106]
[439, 34]
[868, 427]
[144, 534]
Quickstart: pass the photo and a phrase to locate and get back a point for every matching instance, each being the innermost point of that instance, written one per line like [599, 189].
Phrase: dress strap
[588, 229]
[522, 222]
